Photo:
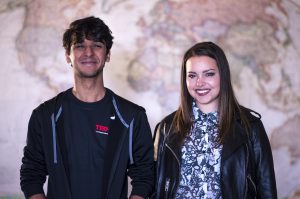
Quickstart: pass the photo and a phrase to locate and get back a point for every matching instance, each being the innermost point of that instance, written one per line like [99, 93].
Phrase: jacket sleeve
[33, 169]
[266, 183]
[142, 171]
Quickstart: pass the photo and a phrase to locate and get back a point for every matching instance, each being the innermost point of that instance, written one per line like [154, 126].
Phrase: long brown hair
[229, 107]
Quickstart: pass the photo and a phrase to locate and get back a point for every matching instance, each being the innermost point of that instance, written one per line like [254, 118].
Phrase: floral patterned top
[201, 159]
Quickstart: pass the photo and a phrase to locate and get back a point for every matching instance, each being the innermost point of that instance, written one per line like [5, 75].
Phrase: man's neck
[89, 90]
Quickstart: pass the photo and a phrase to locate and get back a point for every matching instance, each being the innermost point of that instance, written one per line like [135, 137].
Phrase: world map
[260, 39]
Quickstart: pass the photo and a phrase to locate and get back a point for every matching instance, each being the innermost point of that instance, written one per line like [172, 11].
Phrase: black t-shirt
[86, 140]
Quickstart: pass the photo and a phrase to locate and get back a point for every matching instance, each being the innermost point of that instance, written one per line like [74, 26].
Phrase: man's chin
[90, 75]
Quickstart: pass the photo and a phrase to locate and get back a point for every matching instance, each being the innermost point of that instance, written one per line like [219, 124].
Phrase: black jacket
[246, 162]
[129, 152]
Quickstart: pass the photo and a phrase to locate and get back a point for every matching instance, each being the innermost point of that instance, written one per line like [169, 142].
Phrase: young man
[87, 139]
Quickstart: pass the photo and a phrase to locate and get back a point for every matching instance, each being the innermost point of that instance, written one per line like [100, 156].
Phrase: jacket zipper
[167, 185]
[54, 138]
[54, 119]
[161, 151]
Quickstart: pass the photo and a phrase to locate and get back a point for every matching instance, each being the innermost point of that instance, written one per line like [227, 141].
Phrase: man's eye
[97, 46]
[79, 46]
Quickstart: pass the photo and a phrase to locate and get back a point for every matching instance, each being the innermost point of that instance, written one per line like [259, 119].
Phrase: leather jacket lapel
[238, 137]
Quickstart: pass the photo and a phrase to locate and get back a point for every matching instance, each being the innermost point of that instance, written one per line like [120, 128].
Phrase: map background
[260, 39]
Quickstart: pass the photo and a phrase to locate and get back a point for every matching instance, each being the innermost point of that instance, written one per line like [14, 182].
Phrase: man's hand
[37, 196]
[136, 197]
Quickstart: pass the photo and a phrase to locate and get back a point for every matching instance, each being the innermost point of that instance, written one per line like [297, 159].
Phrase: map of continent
[252, 38]
[260, 39]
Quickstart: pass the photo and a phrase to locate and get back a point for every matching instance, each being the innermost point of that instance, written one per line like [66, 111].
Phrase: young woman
[211, 147]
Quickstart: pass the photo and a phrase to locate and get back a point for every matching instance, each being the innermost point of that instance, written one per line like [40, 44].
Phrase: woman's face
[203, 82]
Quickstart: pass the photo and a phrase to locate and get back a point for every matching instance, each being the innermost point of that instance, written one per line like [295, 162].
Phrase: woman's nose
[199, 81]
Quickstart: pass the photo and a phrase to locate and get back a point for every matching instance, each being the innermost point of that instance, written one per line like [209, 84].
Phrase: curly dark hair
[90, 28]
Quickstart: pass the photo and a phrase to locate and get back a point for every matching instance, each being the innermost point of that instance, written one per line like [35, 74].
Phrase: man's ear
[67, 57]
[107, 57]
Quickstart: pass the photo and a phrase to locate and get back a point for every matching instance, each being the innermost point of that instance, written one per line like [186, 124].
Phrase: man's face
[88, 58]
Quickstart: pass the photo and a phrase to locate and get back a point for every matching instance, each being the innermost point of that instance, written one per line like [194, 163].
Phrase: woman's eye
[191, 76]
[210, 74]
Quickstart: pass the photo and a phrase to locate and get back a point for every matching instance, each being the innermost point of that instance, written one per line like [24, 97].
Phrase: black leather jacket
[246, 162]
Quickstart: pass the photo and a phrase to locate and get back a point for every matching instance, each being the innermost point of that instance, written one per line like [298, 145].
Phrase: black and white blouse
[201, 159]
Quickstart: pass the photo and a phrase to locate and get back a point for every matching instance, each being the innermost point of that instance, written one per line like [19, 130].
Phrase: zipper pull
[167, 184]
